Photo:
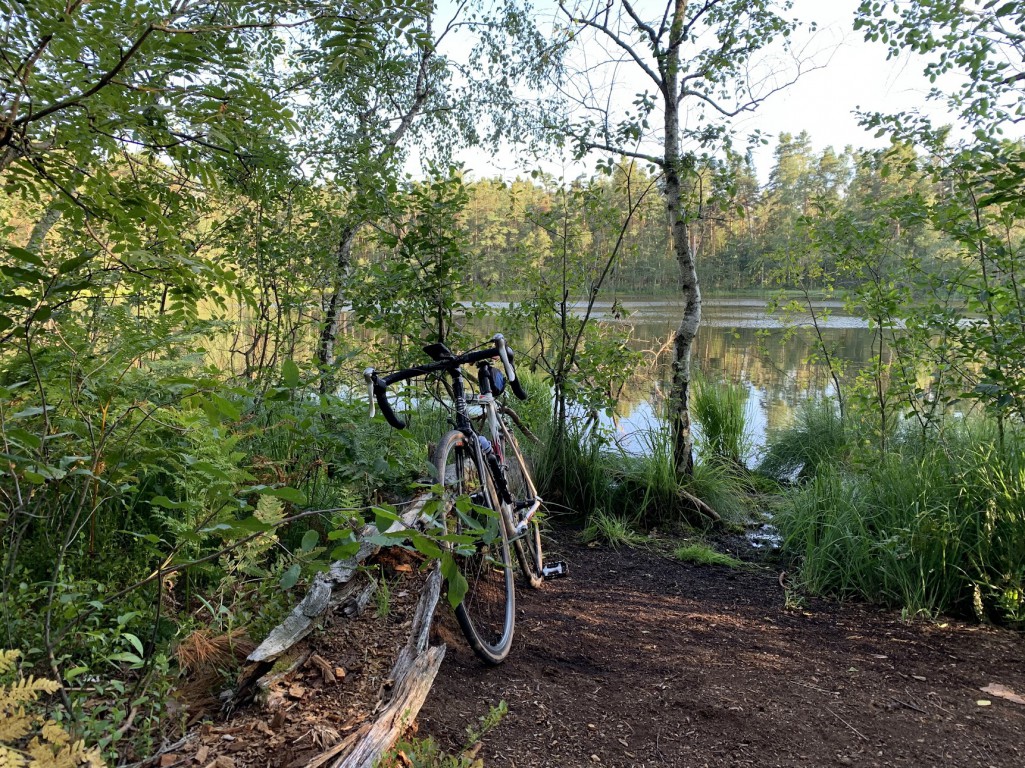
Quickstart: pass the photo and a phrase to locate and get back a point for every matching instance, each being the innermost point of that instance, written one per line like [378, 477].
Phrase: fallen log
[342, 588]
[406, 690]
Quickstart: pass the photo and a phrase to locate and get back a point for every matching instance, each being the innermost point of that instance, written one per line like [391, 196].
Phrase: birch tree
[697, 64]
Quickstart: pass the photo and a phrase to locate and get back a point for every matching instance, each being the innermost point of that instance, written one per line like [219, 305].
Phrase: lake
[740, 342]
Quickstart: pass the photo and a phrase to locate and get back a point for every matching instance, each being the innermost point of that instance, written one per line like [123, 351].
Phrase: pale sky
[853, 74]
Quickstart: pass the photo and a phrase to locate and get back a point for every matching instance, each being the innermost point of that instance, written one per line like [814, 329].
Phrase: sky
[851, 74]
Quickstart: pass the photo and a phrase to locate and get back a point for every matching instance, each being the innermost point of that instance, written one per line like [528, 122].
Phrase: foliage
[702, 554]
[934, 526]
[27, 736]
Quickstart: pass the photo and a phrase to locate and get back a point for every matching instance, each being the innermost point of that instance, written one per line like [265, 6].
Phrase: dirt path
[637, 660]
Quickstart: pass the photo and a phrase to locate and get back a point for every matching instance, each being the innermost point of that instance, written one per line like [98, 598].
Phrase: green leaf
[225, 407]
[290, 577]
[310, 539]
[457, 585]
[74, 672]
[166, 503]
[288, 494]
[384, 518]
[125, 656]
[251, 525]
[425, 546]
[70, 265]
[290, 374]
[135, 641]
[20, 254]
[345, 551]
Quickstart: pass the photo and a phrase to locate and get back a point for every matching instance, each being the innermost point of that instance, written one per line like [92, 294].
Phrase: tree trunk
[37, 239]
[679, 394]
[333, 311]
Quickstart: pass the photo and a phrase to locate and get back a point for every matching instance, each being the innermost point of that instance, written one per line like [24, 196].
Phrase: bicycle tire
[521, 486]
[487, 611]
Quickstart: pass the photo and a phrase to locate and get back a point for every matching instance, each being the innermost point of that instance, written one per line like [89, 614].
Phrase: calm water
[739, 342]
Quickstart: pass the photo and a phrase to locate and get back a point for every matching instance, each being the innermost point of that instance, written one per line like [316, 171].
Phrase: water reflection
[739, 342]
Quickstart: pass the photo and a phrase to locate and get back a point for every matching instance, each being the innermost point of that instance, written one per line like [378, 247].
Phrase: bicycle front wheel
[523, 491]
[487, 611]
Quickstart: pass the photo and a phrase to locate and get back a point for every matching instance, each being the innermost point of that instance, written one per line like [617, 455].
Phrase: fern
[246, 558]
[26, 737]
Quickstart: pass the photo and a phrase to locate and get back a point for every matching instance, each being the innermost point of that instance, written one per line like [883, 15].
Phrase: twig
[910, 706]
[814, 688]
[863, 736]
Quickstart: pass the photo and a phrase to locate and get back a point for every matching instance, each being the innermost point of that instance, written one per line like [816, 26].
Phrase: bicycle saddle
[438, 352]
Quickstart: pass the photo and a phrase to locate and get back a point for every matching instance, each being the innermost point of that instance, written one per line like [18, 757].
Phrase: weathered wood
[350, 601]
[405, 705]
[412, 676]
[409, 683]
[300, 621]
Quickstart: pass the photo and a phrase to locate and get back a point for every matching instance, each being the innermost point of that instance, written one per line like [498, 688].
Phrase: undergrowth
[936, 525]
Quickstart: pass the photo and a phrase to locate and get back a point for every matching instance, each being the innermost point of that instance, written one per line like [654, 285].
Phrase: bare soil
[639, 660]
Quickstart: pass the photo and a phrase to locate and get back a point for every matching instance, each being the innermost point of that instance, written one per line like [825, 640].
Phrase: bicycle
[488, 492]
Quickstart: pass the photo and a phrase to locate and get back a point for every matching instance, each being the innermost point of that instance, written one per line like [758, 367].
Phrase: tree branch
[624, 45]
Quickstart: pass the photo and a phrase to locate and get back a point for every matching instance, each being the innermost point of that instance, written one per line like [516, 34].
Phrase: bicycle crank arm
[521, 527]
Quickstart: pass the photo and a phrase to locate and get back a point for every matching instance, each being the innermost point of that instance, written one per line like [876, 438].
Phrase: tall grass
[936, 525]
[818, 437]
[585, 473]
[720, 410]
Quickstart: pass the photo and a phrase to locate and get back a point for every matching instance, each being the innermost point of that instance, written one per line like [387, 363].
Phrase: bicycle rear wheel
[523, 491]
[487, 611]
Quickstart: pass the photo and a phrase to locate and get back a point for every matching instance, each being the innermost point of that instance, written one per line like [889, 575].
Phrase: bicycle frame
[500, 436]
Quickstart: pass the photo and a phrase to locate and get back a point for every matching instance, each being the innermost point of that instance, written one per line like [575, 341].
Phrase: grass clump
[612, 530]
[702, 554]
[720, 409]
[817, 438]
[936, 525]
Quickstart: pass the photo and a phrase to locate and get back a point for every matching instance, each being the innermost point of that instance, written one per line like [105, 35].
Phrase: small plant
[27, 736]
[608, 528]
[427, 753]
[702, 554]
[382, 598]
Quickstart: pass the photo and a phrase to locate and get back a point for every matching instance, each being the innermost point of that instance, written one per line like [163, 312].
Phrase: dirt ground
[638, 660]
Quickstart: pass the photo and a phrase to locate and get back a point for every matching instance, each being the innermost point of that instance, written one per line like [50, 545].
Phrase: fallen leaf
[202, 754]
[1002, 691]
[168, 760]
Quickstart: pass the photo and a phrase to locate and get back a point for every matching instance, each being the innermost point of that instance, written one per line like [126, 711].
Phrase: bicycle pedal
[556, 570]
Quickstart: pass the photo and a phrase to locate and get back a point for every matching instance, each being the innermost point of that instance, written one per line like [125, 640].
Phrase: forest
[211, 226]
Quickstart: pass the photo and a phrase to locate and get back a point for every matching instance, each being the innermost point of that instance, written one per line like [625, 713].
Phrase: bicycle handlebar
[378, 386]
